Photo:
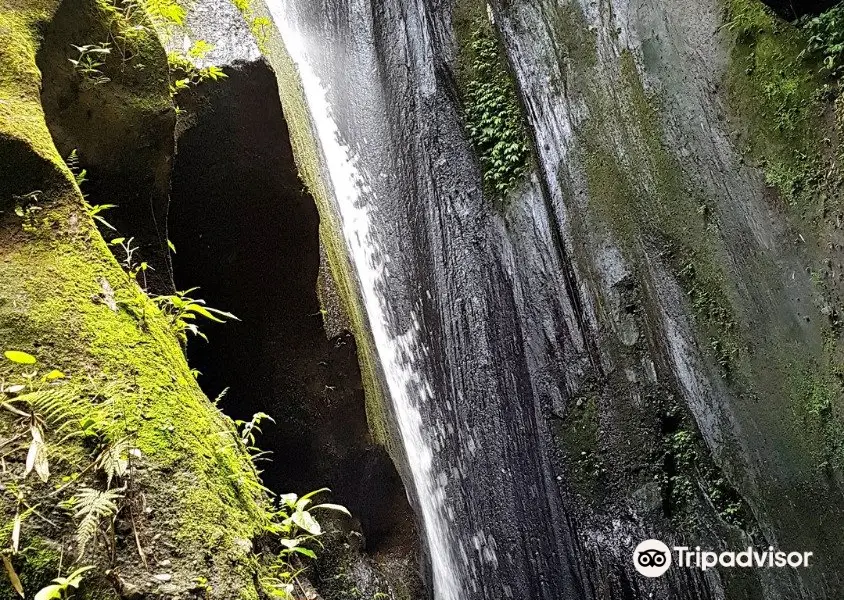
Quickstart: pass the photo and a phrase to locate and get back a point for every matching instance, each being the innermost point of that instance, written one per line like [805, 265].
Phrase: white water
[398, 353]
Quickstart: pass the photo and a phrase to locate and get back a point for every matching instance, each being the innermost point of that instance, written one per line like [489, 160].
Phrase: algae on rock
[195, 499]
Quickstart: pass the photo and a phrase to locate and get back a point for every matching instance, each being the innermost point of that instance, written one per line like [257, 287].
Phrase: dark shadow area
[246, 233]
[122, 129]
[793, 9]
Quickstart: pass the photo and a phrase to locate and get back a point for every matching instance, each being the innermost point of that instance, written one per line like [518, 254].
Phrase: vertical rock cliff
[621, 326]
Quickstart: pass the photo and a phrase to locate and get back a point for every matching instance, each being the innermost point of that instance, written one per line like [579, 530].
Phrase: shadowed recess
[246, 233]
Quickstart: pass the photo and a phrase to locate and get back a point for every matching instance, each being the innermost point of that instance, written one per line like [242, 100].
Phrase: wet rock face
[122, 131]
[610, 353]
[246, 233]
[612, 96]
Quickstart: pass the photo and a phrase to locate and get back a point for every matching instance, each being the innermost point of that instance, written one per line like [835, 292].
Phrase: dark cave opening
[247, 234]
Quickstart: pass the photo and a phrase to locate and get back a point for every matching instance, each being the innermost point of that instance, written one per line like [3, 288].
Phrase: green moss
[651, 200]
[689, 472]
[36, 564]
[492, 110]
[199, 484]
[786, 109]
[21, 117]
[777, 102]
[816, 392]
[578, 435]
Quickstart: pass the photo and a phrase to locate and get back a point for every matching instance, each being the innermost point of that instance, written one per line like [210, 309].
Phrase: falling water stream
[398, 352]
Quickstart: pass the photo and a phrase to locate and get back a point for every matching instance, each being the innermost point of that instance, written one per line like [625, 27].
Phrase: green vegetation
[89, 63]
[778, 97]
[826, 38]
[690, 474]
[298, 529]
[59, 589]
[51, 404]
[182, 310]
[492, 109]
[259, 25]
[786, 100]
[185, 73]
[117, 428]
[128, 25]
[649, 198]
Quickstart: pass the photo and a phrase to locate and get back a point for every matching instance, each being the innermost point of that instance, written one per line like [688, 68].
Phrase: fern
[93, 506]
[56, 404]
[114, 460]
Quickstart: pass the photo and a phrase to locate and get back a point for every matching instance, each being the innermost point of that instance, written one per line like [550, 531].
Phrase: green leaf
[304, 551]
[22, 358]
[171, 246]
[199, 309]
[336, 507]
[304, 520]
[315, 492]
[75, 578]
[49, 593]
[289, 499]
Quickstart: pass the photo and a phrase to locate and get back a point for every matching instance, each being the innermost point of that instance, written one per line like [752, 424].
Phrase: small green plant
[826, 38]
[60, 588]
[298, 530]
[93, 509]
[94, 211]
[260, 28]
[133, 268]
[22, 400]
[27, 208]
[249, 429]
[165, 13]
[80, 176]
[184, 72]
[89, 62]
[182, 310]
[124, 19]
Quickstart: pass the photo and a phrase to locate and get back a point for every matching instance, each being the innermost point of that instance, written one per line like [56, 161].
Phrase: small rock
[164, 563]
[163, 577]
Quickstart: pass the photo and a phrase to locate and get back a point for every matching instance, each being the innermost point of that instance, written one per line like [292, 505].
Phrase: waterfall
[399, 353]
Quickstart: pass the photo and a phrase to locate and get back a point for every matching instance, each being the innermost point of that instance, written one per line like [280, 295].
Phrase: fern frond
[220, 396]
[114, 460]
[93, 506]
[56, 403]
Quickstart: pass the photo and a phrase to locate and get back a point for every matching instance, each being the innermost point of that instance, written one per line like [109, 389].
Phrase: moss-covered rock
[192, 503]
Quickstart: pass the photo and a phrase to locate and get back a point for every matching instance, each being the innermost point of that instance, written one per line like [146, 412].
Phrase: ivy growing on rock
[492, 111]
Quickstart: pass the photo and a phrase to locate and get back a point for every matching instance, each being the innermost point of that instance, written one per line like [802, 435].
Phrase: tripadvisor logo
[652, 558]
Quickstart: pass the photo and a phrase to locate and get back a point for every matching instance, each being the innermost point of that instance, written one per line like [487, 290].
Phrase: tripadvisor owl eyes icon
[652, 558]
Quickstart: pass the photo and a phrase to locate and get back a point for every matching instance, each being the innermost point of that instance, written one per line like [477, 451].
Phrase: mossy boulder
[191, 501]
